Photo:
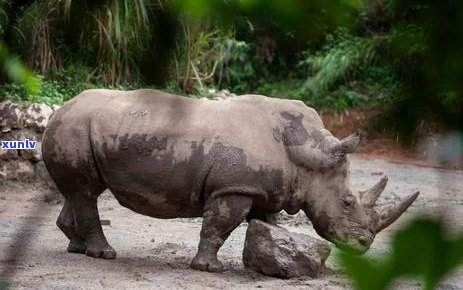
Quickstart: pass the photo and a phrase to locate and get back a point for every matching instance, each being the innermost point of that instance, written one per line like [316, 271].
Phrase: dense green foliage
[331, 54]
[57, 88]
[163, 44]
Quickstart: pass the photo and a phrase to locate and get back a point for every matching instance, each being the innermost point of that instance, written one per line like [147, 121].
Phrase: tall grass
[339, 62]
[122, 29]
[34, 30]
[201, 51]
[115, 30]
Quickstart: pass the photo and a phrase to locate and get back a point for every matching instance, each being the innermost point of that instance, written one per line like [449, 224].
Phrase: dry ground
[155, 254]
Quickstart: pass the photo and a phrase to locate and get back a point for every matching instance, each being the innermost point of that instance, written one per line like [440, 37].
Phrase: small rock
[16, 135]
[36, 117]
[25, 171]
[105, 222]
[274, 251]
[11, 117]
[223, 95]
[8, 170]
[51, 197]
[3, 172]
[6, 154]
[43, 177]
[33, 155]
[16, 170]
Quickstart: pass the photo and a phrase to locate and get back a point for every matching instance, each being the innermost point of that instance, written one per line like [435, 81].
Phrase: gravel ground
[155, 254]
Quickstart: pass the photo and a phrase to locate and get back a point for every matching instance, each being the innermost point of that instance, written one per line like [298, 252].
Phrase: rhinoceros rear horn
[389, 213]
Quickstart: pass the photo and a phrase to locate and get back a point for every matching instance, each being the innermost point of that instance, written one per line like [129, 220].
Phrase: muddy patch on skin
[141, 143]
[317, 137]
[294, 133]
[145, 176]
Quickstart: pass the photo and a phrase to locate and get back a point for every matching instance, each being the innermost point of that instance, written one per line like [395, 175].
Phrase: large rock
[33, 155]
[36, 117]
[24, 165]
[274, 251]
[6, 154]
[10, 117]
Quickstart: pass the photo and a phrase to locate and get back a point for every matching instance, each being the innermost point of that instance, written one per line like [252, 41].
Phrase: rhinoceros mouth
[357, 242]
[352, 248]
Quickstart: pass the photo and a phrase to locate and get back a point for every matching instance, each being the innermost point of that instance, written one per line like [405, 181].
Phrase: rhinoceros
[242, 158]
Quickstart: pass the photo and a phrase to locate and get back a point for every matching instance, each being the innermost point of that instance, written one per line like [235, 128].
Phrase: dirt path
[155, 254]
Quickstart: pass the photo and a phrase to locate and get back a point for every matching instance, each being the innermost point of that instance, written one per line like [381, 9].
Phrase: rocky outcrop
[10, 117]
[274, 251]
[18, 124]
[36, 117]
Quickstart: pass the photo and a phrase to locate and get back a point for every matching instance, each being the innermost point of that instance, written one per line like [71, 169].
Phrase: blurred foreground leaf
[421, 249]
[306, 17]
[17, 72]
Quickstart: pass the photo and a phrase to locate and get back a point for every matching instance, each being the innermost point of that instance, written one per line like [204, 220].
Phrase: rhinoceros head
[350, 219]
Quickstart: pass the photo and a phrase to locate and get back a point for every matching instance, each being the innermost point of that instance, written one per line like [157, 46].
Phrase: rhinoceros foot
[77, 247]
[210, 264]
[106, 252]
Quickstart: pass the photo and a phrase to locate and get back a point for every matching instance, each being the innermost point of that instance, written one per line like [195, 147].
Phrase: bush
[59, 87]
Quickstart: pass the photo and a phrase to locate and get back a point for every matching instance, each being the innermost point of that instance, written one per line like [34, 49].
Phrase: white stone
[36, 117]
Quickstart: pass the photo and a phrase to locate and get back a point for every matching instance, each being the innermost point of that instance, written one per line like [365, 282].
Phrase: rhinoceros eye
[348, 201]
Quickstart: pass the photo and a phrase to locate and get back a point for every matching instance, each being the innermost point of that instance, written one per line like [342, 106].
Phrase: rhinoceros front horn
[370, 196]
[388, 213]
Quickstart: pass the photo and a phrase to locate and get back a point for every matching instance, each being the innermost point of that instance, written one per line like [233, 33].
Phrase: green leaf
[420, 249]
[17, 71]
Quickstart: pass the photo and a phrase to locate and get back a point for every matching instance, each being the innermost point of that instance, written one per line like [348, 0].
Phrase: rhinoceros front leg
[221, 216]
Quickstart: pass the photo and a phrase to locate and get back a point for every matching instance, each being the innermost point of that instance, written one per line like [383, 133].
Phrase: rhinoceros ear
[389, 213]
[348, 144]
[369, 197]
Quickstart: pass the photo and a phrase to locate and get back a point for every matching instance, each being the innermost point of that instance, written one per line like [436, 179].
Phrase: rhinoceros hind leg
[79, 219]
[88, 228]
[221, 216]
[77, 246]
[66, 223]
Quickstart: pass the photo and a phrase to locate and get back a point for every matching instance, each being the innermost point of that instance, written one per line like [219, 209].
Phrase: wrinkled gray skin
[168, 156]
